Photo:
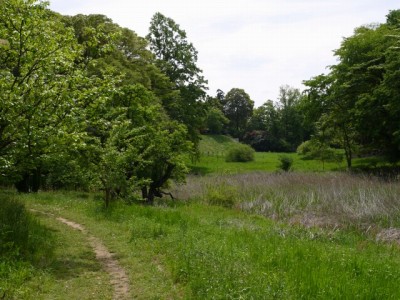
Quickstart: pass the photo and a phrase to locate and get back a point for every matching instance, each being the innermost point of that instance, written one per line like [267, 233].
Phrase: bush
[286, 163]
[305, 149]
[240, 153]
[221, 196]
[315, 149]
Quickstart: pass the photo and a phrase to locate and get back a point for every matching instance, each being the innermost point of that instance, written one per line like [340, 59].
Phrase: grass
[263, 161]
[145, 267]
[241, 232]
[333, 199]
[214, 148]
[60, 263]
[194, 250]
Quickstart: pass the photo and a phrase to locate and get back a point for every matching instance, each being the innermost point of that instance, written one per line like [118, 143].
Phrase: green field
[198, 251]
[237, 233]
[213, 150]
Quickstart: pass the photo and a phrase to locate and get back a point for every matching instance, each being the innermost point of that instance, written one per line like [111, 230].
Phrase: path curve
[119, 278]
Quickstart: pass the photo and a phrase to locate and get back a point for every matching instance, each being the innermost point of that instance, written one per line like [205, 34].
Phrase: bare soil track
[119, 278]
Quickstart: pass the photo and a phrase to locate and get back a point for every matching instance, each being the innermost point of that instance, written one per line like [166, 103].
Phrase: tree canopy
[82, 106]
[88, 104]
[177, 58]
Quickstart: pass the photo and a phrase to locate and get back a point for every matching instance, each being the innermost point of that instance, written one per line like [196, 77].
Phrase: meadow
[214, 148]
[227, 235]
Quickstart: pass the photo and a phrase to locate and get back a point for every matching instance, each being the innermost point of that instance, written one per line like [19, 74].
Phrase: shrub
[305, 149]
[315, 149]
[240, 153]
[221, 196]
[286, 163]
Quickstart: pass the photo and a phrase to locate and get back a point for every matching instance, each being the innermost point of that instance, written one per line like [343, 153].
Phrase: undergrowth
[25, 246]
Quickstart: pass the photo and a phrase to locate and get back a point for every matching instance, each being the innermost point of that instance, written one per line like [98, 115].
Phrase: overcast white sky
[256, 45]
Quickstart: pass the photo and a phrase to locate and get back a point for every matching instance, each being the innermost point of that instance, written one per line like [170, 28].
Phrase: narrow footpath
[119, 278]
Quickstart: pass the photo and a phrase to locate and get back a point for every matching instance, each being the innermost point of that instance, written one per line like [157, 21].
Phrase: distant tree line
[355, 107]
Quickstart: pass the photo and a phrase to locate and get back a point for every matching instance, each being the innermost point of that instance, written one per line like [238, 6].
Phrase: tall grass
[21, 235]
[25, 246]
[330, 198]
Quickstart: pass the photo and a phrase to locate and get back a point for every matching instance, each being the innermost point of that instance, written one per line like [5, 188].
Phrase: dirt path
[119, 278]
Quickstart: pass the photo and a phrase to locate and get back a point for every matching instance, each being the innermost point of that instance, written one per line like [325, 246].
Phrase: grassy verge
[199, 251]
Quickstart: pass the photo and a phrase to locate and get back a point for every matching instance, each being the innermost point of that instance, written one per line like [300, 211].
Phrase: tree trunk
[150, 197]
[144, 192]
[30, 182]
[107, 197]
[347, 148]
[22, 186]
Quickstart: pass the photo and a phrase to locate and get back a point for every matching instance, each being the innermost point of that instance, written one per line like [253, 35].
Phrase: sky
[255, 45]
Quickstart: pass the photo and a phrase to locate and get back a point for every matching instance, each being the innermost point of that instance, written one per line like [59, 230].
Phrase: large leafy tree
[290, 119]
[38, 76]
[388, 92]
[277, 126]
[238, 108]
[137, 147]
[359, 97]
[263, 128]
[177, 58]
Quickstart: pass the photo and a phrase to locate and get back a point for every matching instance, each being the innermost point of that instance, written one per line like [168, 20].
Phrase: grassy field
[195, 250]
[213, 149]
[237, 233]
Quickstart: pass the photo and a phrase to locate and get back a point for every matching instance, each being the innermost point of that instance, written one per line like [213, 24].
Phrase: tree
[37, 70]
[238, 108]
[142, 150]
[177, 58]
[263, 128]
[359, 97]
[215, 120]
[290, 119]
[320, 145]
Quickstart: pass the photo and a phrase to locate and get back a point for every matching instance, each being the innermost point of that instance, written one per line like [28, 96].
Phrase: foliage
[215, 121]
[238, 107]
[240, 153]
[177, 58]
[315, 149]
[291, 130]
[277, 127]
[358, 98]
[263, 141]
[38, 79]
[81, 106]
[286, 163]
[142, 149]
